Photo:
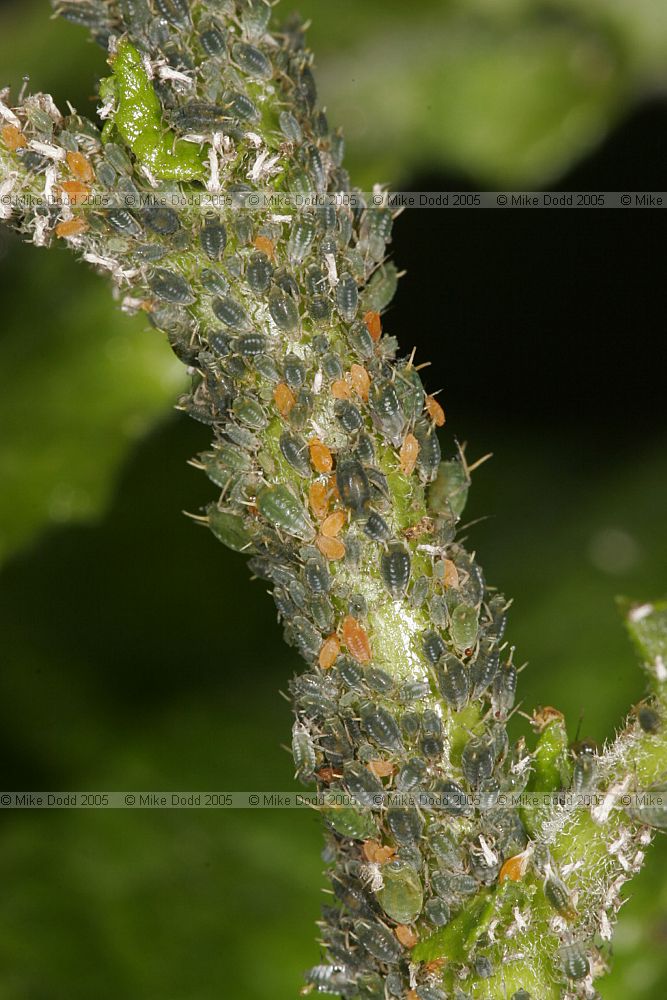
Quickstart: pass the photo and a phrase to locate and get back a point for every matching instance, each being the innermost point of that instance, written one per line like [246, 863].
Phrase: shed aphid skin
[328, 467]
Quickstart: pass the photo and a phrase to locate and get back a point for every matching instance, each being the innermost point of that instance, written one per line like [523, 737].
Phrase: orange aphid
[320, 456]
[76, 191]
[406, 935]
[361, 381]
[376, 853]
[543, 716]
[329, 652]
[333, 524]
[514, 868]
[80, 166]
[328, 774]
[284, 398]
[331, 548]
[435, 411]
[451, 574]
[356, 639]
[72, 227]
[381, 768]
[13, 137]
[340, 389]
[318, 497]
[412, 995]
[435, 966]
[264, 244]
[373, 324]
[408, 454]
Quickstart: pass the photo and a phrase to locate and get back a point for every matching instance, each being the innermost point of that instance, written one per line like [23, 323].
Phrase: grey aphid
[415, 690]
[411, 774]
[382, 727]
[199, 116]
[240, 106]
[395, 569]
[584, 774]
[317, 576]
[231, 313]
[177, 12]
[161, 219]
[212, 40]
[316, 168]
[303, 751]
[648, 719]
[333, 979]
[484, 668]
[249, 345]
[387, 411]
[364, 786]
[437, 911]
[378, 941]
[171, 286]
[347, 297]
[266, 367]
[410, 725]
[379, 680]
[290, 127]
[259, 273]
[117, 158]
[294, 370]
[650, 807]
[352, 483]
[504, 690]
[123, 222]
[364, 449]
[574, 960]
[450, 797]
[297, 592]
[255, 17]
[214, 281]
[295, 451]
[308, 639]
[350, 673]
[420, 589]
[322, 612]
[558, 896]
[477, 759]
[405, 823]
[483, 967]
[301, 239]
[453, 681]
[428, 460]
[357, 606]
[332, 367]
[213, 238]
[521, 995]
[319, 308]
[376, 528]
[283, 310]
[433, 646]
[349, 416]
[252, 60]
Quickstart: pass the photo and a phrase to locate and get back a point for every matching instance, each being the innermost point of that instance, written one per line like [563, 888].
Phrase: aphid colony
[326, 455]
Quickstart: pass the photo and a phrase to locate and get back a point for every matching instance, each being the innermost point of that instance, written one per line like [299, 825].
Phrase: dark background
[139, 656]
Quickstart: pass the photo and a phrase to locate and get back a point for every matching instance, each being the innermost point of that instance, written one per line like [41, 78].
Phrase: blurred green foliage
[138, 655]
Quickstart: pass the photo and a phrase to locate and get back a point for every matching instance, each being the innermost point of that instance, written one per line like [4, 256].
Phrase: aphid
[448, 884]
[433, 646]
[454, 681]
[558, 896]
[266, 367]
[450, 797]
[320, 456]
[259, 273]
[295, 452]
[350, 672]
[395, 569]
[435, 411]
[349, 416]
[437, 911]
[177, 12]
[308, 639]
[352, 484]
[387, 412]
[411, 774]
[161, 219]
[284, 399]
[360, 381]
[410, 725]
[301, 239]
[334, 523]
[382, 727]
[584, 774]
[483, 967]
[379, 680]
[378, 941]
[282, 509]
[329, 979]
[521, 995]
[213, 238]
[420, 589]
[377, 528]
[252, 60]
[171, 287]
[123, 222]
[373, 324]
[71, 227]
[408, 454]
[256, 16]
[232, 314]
[352, 551]
[212, 40]
[428, 460]
[332, 548]
[283, 310]
[240, 106]
[484, 669]
[432, 746]
[290, 127]
[295, 371]
[214, 281]
[250, 345]
[318, 498]
[361, 340]
[13, 137]
[303, 751]
[356, 639]
[405, 823]
[80, 166]
[329, 652]
[415, 690]
[504, 690]
[364, 449]
[316, 168]
[477, 759]
[357, 605]
[574, 960]
[228, 528]
[401, 897]
[250, 413]
[347, 297]
[332, 368]
[364, 786]
[650, 807]
[283, 603]
[648, 719]
[317, 576]
[322, 612]
[464, 625]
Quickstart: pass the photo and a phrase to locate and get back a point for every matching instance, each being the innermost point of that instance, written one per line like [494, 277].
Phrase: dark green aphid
[320, 343]
[357, 606]
[377, 528]
[283, 310]
[378, 941]
[387, 412]
[484, 669]
[415, 690]
[521, 995]
[401, 897]
[308, 639]
[477, 759]
[411, 393]
[240, 106]
[447, 848]
[161, 220]
[303, 751]
[171, 286]
[123, 222]
[199, 116]
[232, 314]
[332, 367]
[449, 885]
[267, 367]
[453, 681]
[322, 612]
[229, 529]
[350, 672]
[213, 41]
[504, 691]
[428, 460]
[483, 967]
[352, 483]
[410, 725]
[395, 569]
[574, 961]
[349, 416]
[364, 786]
[252, 60]
[214, 281]
[250, 344]
[584, 774]
[232, 457]
[379, 680]
[382, 727]
[295, 371]
[411, 774]
[558, 896]
[282, 509]
[439, 610]
[364, 450]
[449, 492]
[347, 297]
[464, 626]
[295, 451]
[433, 646]
[290, 127]
[361, 341]
[301, 239]
[259, 273]
[213, 238]
[317, 576]
[177, 12]
[437, 911]
[648, 719]
[405, 823]
[449, 796]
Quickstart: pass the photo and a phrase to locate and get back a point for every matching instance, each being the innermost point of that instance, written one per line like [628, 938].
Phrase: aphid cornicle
[395, 569]
[232, 314]
[453, 681]
[295, 451]
[352, 483]
[378, 941]
[574, 960]
[405, 823]
[382, 727]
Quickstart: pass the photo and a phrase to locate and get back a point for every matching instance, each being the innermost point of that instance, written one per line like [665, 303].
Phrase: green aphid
[350, 823]
[138, 119]
[229, 529]
[282, 509]
[402, 896]
[449, 492]
[464, 625]
[381, 288]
